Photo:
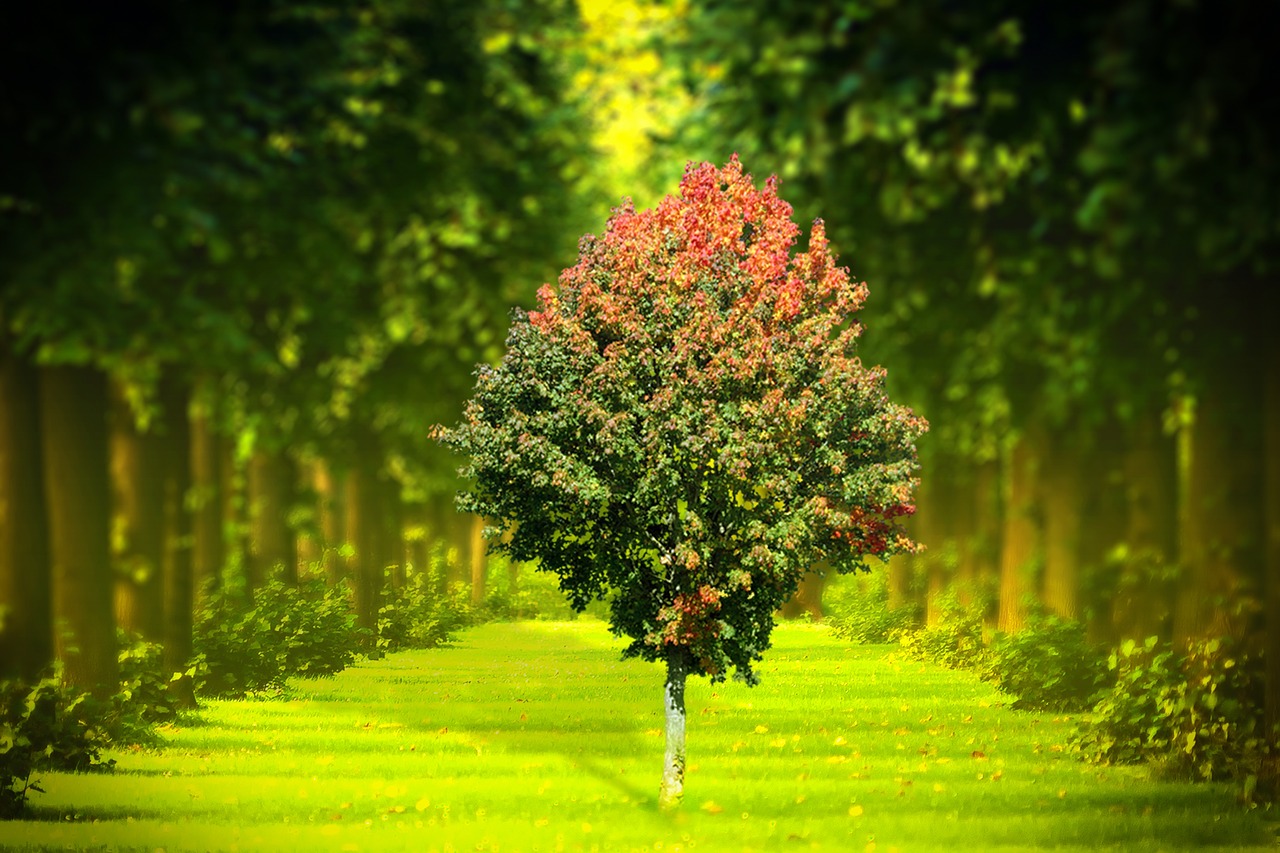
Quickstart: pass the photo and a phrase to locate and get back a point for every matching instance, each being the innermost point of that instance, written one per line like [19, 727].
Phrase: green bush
[858, 610]
[308, 630]
[416, 616]
[955, 640]
[1197, 713]
[46, 726]
[1049, 665]
[144, 699]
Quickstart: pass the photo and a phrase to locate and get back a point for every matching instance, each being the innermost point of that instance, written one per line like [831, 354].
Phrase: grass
[535, 736]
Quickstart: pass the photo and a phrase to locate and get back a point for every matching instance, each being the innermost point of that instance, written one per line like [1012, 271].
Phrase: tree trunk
[209, 555]
[179, 570]
[672, 790]
[273, 548]
[361, 522]
[1019, 536]
[329, 492]
[391, 541]
[1143, 602]
[479, 560]
[26, 575]
[73, 406]
[1062, 505]
[1271, 652]
[234, 504]
[1221, 529]
[137, 480]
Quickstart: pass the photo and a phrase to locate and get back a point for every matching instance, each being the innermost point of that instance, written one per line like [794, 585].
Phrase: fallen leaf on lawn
[979, 755]
[710, 807]
[422, 805]
[840, 741]
[762, 730]
[855, 811]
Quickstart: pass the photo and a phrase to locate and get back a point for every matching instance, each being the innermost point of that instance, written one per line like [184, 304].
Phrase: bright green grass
[535, 736]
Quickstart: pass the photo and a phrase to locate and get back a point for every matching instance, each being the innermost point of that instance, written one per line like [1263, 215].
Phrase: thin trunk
[137, 480]
[392, 540]
[672, 790]
[234, 526]
[329, 491]
[1062, 503]
[209, 553]
[1019, 537]
[273, 548]
[179, 571]
[26, 574]
[73, 406]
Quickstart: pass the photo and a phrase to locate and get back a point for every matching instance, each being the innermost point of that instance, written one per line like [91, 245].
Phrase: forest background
[249, 254]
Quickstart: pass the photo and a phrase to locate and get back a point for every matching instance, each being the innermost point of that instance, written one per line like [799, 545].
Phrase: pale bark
[672, 790]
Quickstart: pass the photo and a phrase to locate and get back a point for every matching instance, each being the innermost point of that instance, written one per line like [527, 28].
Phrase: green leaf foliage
[685, 423]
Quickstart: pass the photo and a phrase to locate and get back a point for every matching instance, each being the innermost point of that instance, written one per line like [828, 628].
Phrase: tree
[685, 425]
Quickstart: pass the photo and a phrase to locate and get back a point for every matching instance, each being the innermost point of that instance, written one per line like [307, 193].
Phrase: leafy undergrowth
[535, 736]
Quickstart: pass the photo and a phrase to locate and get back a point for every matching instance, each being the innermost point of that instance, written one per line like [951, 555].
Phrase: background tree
[684, 426]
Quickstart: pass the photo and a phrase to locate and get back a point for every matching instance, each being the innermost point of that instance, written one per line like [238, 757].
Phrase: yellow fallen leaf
[762, 730]
[938, 787]
[778, 742]
[422, 805]
[840, 741]
[710, 807]
[855, 811]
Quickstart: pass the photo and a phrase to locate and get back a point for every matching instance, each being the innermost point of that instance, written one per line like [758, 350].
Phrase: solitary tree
[684, 427]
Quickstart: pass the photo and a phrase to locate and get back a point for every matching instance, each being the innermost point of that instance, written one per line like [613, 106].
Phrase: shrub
[1048, 665]
[1196, 713]
[307, 630]
[416, 616]
[955, 640]
[859, 611]
[45, 726]
[143, 700]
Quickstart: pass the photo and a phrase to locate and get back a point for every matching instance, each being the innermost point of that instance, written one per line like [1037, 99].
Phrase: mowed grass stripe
[536, 736]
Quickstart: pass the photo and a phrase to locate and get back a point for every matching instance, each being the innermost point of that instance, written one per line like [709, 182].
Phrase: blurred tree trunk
[478, 558]
[273, 548]
[1221, 529]
[391, 541]
[1271, 620]
[330, 508]
[1062, 489]
[362, 511]
[26, 574]
[209, 555]
[137, 486]
[1143, 603]
[234, 506]
[73, 407]
[178, 559]
[1019, 533]
[931, 530]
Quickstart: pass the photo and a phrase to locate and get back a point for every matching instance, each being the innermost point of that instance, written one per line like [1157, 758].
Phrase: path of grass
[535, 736]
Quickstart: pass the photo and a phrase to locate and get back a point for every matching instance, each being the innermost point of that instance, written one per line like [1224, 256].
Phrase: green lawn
[535, 736]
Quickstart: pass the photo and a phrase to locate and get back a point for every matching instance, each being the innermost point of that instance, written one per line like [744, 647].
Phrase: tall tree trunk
[1221, 530]
[1143, 603]
[234, 517]
[209, 554]
[26, 574]
[1019, 540]
[391, 541]
[1271, 652]
[328, 486]
[479, 559]
[137, 480]
[273, 548]
[179, 570]
[1062, 504]
[73, 407]
[672, 790]
[362, 522]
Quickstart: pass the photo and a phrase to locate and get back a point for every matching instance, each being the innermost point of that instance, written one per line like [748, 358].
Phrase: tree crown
[684, 422]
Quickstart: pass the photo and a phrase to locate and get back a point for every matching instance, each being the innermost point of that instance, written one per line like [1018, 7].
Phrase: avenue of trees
[250, 253]
[1069, 215]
